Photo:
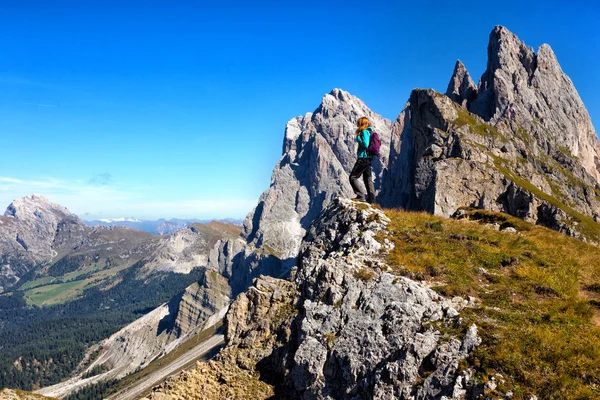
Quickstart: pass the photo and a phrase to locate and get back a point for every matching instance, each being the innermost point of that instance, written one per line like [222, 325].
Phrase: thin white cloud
[109, 201]
[51, 183]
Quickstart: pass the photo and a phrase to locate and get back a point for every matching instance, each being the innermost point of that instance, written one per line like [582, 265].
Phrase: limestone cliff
[318, 155]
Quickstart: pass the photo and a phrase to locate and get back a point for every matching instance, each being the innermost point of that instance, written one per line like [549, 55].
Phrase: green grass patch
[32, 396]
[55, 294]
[364, 274]
[50, 290]
[476, 126]
[537, 320]
[266, 249]
[523, 134]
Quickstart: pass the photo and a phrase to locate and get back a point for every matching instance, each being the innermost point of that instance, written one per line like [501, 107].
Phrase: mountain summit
[33, 230]
[529, 91]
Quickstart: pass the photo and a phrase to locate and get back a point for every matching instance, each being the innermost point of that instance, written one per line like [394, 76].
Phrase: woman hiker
[363, 163]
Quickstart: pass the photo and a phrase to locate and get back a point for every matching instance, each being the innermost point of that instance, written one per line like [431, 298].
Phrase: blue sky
[177, 108]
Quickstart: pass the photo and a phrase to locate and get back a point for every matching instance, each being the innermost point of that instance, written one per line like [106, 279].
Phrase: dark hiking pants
[363, 168]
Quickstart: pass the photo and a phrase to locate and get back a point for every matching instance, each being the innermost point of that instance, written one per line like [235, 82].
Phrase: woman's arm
[363, 139]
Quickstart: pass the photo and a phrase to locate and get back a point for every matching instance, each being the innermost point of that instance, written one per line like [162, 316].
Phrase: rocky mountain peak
[529, 92]
[318, 154]
[33, 230]
[461, 88]
[505, 49]
[37, 207]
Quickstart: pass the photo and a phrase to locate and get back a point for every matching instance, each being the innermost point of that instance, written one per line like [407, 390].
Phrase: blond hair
[362, 124]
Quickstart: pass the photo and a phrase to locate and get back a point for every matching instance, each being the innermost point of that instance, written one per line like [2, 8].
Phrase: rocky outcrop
[8, 394]
[318, 154]
[189, 248]
[521, 142]
[344, 328]
[258, 322]
[449, 158]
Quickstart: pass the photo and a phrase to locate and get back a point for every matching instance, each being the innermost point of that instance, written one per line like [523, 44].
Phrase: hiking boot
[359, 198]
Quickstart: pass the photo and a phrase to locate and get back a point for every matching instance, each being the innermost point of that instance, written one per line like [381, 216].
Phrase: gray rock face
[363, 332]
[359, 332]
[318, 155]
[530, 91]
[448, 158]
[240, 263]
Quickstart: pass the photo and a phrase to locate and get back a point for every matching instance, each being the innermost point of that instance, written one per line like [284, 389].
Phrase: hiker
[363, 163]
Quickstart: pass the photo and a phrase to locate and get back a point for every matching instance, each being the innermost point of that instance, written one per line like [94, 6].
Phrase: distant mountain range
[160, 226]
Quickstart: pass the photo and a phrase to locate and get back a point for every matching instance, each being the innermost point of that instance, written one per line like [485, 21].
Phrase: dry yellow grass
[538, 291]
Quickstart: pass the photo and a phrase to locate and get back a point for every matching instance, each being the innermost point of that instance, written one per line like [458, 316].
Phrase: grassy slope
[100, 266]
[539, 297]
[45, 292]
[585, 225]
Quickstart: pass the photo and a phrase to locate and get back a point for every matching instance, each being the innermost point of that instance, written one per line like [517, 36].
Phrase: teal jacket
[363, 143]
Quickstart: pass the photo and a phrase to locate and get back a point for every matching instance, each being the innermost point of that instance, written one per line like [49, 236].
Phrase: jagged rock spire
[529, 91]
[461, 88]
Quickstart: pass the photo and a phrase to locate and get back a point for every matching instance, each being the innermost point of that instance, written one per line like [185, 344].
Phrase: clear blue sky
[177, 108]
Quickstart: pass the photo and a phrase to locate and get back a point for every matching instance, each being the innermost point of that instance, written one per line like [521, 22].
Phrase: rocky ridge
[449, 158]
[318, 154]
[343, 328]
[520, 142]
